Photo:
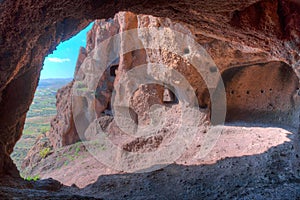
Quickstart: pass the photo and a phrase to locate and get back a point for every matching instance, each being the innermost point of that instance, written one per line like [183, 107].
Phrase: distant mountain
[44, 102]
[54, 82]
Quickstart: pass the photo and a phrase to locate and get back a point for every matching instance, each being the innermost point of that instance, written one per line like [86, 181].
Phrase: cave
[169, 97]
[113, 70]
[29, 31]
[264, 92]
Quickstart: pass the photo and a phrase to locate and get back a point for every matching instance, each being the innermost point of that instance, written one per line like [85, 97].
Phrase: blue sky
[61, 63]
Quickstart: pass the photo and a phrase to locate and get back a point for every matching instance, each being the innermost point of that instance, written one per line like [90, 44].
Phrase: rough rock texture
[266, 92]
[270, 97]
[235, 33]
[247, 163]
[144, 99]
[63, 131]
[243, 97]
[34, 156]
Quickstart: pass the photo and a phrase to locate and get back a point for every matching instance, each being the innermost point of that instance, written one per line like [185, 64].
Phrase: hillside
[38, 119]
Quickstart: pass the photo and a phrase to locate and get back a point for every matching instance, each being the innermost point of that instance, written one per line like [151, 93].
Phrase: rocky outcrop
[41, 149]
[63, 131]
[228, 31]
[271, 98]
[258, 87]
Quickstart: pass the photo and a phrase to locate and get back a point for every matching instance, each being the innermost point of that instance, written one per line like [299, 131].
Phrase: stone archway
[31, 30]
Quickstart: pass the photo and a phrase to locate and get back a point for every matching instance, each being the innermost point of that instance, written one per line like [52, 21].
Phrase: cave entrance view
[58, 71]
[155, 146]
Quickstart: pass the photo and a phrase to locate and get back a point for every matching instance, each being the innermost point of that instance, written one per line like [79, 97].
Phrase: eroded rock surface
[63, 131]
[256, 34]
[255, 82]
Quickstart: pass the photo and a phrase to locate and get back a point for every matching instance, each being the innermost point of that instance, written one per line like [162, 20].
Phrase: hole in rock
[169, 97]
[71, 162]
[113, 70]
[105, 87]
[213, 69]
[55, 80]
[186, 50]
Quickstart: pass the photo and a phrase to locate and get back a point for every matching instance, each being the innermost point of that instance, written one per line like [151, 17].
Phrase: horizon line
[56, 78]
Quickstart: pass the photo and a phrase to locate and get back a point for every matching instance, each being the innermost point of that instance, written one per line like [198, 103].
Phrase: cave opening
[113, 70]
[64, 18]
[104, 89]
[55, 78]
[169, 97]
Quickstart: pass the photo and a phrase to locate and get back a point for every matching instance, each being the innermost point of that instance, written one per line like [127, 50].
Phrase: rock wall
[30, 30]
[256, 91]
[265, 93]
[63, 131]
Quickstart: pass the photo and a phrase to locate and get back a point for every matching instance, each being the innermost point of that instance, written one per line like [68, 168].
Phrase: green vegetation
[73, 153]
[34, 178]
[96, 145]
[80, 85]
[83, 89]
[102, 147]
[70, 157]
[44, 129]
[44, 152]
[42, 110]
[66, 163]
[77, 151]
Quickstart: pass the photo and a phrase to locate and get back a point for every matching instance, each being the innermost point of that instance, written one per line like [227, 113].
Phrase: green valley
[42, 110]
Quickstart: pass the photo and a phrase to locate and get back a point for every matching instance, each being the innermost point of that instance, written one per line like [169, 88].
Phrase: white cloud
[58, 60]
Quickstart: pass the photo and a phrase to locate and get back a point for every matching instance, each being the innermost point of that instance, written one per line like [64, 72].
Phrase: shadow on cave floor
[268, 175]
[250, 124]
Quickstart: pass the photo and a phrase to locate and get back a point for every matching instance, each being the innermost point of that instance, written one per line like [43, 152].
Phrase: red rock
[63, 131]
[235, 33]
